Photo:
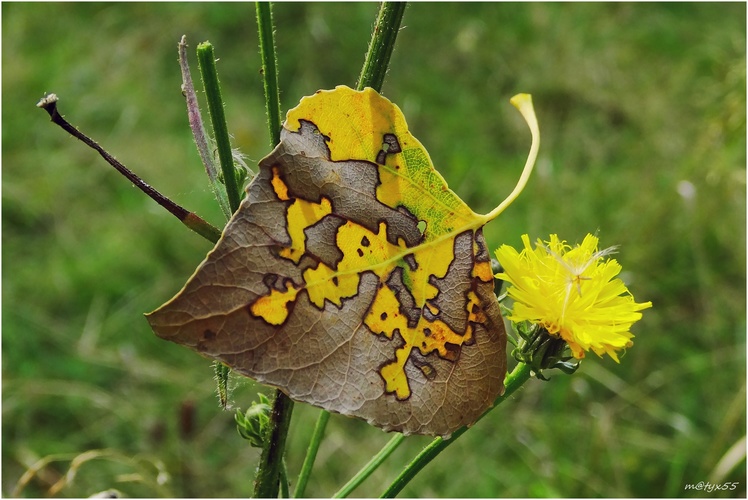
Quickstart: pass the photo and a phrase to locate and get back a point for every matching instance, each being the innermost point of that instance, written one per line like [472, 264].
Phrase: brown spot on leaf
[428, 371]
[269, 280]
[410, 259]
[390, 145]
[453, 351]
[393, 145]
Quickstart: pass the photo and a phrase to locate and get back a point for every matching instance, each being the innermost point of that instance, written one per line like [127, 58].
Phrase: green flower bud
[542, 351]
[253, 424]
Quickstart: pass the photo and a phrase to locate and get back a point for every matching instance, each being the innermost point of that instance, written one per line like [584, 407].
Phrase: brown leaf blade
[351, 277]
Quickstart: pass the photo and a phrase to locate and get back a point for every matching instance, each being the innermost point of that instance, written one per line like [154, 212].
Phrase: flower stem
[269, 69]
[311, 454]
[189, 219]
[514, 381]
[370, 467]
[381, 45]
[267, 481]
[207, 61]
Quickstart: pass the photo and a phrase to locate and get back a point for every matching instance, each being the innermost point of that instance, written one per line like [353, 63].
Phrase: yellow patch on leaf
[273, 308]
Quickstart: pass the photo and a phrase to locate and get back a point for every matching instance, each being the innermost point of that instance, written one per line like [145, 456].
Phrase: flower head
[572, 292]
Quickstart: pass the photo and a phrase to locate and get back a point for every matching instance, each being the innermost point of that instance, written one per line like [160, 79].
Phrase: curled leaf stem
[514, 381]
[523, 102]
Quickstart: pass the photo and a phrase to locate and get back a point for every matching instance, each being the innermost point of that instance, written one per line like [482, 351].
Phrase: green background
[642, 115]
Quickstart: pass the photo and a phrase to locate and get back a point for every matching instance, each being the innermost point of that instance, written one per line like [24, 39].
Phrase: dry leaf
[351, 277]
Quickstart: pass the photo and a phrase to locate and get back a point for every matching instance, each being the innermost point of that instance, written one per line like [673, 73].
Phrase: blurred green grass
[642, 112]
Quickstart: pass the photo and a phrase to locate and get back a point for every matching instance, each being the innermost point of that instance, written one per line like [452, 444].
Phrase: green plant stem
[207, 61]
[514, 381]
[269, 69]
[221, 376]
[381, 46]
[198, 130]
[283, 479]
[370, 467]
[311, 454]
[267, 480]
[189, 219]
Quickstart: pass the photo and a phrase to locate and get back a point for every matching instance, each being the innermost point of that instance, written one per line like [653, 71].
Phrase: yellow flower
[572, 293]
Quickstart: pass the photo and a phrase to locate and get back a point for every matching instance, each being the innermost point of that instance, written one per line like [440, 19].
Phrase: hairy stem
[269, 69]
[189, 219]
[221, 375]
[207, 60]
[514, 381]
[267, 481]
[381, 46]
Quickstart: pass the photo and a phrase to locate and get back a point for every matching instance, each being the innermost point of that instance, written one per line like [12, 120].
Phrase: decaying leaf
[351, 277]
